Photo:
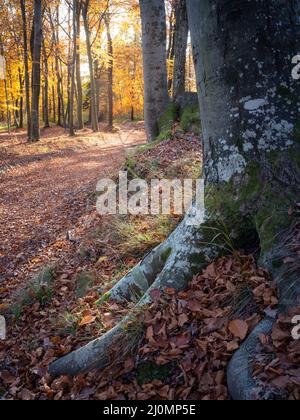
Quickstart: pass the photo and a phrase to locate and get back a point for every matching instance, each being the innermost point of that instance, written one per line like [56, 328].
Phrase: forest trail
[46, 187]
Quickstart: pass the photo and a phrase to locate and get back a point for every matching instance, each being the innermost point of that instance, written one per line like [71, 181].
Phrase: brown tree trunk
[26, 67]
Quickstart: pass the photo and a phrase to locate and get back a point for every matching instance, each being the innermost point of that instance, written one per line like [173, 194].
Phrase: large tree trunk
[94, 113]
[180, 47]
[26, 66]
[36, 70]
[155, 63]
[249, 108]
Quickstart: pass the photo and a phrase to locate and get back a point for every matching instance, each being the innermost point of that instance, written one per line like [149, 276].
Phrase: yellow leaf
[89, 319]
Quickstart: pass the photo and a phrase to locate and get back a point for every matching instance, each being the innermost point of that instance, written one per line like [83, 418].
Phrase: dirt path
[46, 187]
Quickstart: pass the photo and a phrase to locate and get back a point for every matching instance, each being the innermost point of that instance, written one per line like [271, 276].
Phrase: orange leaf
[89, 319]
[239, 329]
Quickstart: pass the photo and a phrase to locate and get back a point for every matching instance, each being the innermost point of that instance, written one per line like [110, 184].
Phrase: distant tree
[26, 66]
[180, 48]
[36, 70]
[155, 63]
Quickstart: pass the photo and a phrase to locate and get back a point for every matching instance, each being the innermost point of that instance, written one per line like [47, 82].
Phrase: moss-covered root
[241, 384]
[171, 264]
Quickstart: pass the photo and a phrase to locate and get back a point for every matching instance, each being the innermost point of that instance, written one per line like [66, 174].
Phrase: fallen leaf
[88, 319]
[239, 329]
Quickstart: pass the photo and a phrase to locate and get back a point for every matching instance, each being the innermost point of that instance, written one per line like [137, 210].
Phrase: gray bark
[110, 74]
[80, 123]
[94, 113]
[36, 70]
[180, 47]
[46, 88]
[73, 64]
[26, 66]
[155, 63]
[249, 107]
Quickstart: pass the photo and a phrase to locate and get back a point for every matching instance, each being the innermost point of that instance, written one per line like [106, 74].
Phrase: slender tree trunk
[155, 68]
[171, 43]
[21, 114]
[53, 96]
[98, 86]
[26, 67]
[36, 70]
[94, 116]
[250, 121]
[73, 63]
[180, 47]
[80, 122]
[46, 88]
[7, 102]
[110, 74]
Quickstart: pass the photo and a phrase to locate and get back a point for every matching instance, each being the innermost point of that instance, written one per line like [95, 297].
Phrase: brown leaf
[183, 319]
[239, 329]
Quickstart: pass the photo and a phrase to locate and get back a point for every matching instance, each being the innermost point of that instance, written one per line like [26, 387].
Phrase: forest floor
[45, 187]
[59, 257]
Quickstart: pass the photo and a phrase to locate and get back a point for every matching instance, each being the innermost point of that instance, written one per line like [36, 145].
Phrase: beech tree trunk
[26, 66]
[46, 88]
[36, 70]
[80, 123]
[250, 117]
[73, 64]
[180, 47]
[155, 63]
[94, 114]
[110, 74]
[21, 115]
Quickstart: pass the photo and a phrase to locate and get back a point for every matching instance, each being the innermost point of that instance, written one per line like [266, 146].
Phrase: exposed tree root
[171, 265]
[242, 385]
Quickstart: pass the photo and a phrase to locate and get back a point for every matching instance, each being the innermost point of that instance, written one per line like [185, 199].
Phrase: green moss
[251, 185]
[190, 119]
[166, 121]
[148, 372]
[271, 218]
[166, 254]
